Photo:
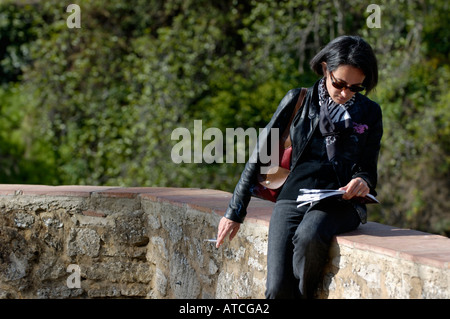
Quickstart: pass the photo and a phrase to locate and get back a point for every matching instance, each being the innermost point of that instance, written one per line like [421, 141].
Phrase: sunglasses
[340, 85]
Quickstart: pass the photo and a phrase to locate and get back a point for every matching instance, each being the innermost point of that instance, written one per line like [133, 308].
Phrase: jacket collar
[314, 108]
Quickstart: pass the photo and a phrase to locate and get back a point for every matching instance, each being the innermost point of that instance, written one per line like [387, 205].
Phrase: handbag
[269, 185]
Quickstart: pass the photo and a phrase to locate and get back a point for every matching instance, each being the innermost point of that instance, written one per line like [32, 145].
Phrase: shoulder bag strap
[287, 139]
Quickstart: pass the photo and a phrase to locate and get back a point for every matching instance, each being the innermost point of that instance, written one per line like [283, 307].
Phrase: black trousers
[299, 243]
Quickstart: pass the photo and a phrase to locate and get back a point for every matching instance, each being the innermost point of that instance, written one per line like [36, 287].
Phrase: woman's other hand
[357, 187]
[226, 226]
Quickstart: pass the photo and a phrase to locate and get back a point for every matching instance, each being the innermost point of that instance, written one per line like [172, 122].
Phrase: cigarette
[211, 240]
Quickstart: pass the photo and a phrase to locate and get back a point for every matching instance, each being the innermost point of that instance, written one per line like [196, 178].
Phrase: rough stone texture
[379, 261]
[356, 274]
[125, 243]
[150, 243]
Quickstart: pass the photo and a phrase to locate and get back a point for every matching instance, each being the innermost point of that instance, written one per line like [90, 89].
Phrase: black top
[313, 170]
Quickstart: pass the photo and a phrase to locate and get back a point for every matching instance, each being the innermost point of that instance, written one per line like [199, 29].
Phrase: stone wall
[126, 242]
[379, 261]
[150, 243]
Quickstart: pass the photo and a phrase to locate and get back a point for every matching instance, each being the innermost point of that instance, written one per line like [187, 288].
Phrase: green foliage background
[97, 105]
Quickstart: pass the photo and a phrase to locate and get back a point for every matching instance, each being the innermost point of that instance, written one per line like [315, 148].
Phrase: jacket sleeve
[366, 167]
[237, 207]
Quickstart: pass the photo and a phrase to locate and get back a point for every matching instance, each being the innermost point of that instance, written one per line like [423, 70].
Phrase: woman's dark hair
[349, 50]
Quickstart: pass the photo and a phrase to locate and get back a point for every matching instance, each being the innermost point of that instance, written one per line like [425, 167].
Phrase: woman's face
[344, 73]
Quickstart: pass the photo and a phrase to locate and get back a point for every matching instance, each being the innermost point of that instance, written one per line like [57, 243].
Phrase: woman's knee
[312, 231]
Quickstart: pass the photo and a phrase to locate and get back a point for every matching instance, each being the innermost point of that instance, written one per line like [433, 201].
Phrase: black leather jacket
[359, 158]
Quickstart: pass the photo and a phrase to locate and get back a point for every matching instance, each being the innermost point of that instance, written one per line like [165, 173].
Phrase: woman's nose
[346, 93]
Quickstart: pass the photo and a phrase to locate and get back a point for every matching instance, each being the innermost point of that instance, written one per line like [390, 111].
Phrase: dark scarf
[334, 120]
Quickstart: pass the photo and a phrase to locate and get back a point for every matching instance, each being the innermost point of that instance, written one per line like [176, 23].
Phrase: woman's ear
[324, 68]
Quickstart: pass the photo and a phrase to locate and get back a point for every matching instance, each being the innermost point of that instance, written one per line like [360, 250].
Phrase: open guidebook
[308, 196]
